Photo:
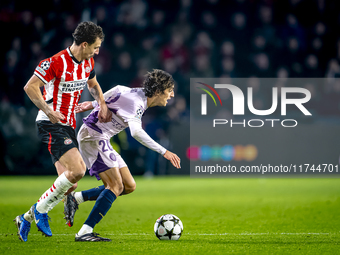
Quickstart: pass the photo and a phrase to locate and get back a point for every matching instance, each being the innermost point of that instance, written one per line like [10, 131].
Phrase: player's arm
[90, 105]
[32, 89]
[104, 114]
[84, 106]
[141, 136]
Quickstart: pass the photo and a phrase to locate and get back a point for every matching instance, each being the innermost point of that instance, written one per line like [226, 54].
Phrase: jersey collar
[73, 58]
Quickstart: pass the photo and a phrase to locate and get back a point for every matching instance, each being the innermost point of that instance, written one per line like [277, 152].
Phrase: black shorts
[57, 138]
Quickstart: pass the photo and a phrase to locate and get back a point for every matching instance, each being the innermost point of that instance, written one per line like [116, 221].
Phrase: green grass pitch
[220, 216]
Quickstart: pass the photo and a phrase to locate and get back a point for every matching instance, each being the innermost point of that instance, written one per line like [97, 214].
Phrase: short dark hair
[88, 32]
[157, 81]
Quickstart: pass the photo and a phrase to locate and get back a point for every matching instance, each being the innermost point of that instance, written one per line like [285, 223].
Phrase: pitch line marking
[193, 234]
[256, 234]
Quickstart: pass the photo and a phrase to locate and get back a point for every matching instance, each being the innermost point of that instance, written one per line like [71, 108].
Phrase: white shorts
[97, 154]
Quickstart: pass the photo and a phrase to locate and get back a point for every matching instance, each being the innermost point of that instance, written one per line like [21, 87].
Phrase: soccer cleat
[23, 226]
[41, 220]
[70, 208]
[91, 237]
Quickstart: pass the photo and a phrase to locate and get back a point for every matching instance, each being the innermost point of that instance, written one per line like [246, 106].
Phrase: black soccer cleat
[91, 237]
[70, 208]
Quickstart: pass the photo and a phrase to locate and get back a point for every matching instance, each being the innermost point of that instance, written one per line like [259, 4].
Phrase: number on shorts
[103, 143]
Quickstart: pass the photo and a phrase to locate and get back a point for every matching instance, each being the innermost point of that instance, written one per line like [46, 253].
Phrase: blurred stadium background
[187, 38]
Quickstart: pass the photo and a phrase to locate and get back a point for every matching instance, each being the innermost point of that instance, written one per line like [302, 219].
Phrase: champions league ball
[168, 227]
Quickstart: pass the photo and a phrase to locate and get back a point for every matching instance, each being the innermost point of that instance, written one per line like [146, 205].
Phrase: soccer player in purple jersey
[127, 106]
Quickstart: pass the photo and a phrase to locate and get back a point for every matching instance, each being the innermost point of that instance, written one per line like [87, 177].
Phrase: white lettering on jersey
[72, 86]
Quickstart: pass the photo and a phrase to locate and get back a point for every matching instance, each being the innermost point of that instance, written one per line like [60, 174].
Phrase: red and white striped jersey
[65, 78]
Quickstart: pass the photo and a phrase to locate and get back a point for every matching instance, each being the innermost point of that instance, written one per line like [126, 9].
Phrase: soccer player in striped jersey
[63, 77]
[128, 106]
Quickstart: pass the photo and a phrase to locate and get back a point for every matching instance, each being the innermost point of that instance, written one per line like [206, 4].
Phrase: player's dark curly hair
[157, 81]
[88, 32]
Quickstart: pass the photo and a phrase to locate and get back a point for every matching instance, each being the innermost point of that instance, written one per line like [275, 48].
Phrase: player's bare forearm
[32, 89]
[96, 91]
[104, 114]
[97, 94]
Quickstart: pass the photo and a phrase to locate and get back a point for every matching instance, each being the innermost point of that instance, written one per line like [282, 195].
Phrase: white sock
[79, 197]
[54, 195]
[85, 229]
[28, 216]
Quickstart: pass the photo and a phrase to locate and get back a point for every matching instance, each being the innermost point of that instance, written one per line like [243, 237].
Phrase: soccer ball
[168, 227]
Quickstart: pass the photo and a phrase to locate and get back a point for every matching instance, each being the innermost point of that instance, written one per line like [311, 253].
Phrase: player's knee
[82, 167]
[80, 173]
[80, 170]
[77, 169]
[77, 174]
[130, 187]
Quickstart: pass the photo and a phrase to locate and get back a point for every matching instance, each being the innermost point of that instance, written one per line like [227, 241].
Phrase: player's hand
[104, 115]
[173, 158]
[55, 117]
[83, 107]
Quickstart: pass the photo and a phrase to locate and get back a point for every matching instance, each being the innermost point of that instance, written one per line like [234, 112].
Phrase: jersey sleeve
[141, 136]
[46, 70]
[111, 94]
[93, 72]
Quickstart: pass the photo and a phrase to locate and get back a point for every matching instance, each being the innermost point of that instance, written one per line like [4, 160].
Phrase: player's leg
[128, 185]
[102, 163]
[92, 194]
[74, 199]
[23, 222]
[89, 150]
[62, 145]
[75, 170]
[69, 206]
[113, 187]
[112, 158]
[128, 181]
[61, 169]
